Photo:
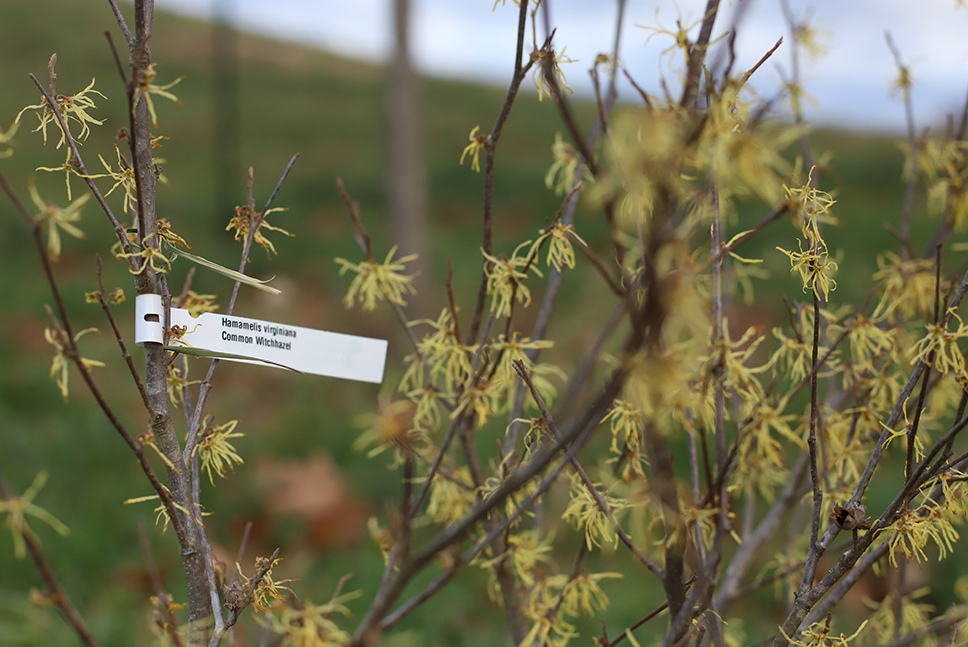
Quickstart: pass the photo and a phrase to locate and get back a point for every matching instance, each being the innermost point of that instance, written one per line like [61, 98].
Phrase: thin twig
[739, 241]
[254, 228]
[121, 22]
[55, 592]
[568, 212]
[577, 435]
[697, 53]
[169, 625]
[339, 588]
[520, 70]
[746, 76]
[360, 233]
[816, 550]
[102, 300]
[455, 423]
[471, 553]
[659, 609]
[913, 152]
[82, 169]
[933, 628]
[117, 59]
[206, 385]
[600, 501]
[241, 553]
[450, 298]
[75, 356]
[568, 115]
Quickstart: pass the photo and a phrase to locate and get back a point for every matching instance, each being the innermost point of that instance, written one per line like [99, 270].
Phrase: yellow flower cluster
[214, 448]
[583, 512]
[378, 281]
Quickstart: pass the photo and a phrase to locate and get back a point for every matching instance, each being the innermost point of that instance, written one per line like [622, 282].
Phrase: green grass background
[327, 109]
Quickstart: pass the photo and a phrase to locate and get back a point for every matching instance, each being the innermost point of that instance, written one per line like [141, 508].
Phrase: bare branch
[122, 24]
[600, 501]
[55, 592]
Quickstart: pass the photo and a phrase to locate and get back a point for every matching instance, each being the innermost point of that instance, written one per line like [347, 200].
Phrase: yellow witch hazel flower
[391, 428]
[792, 358]
[540, 606]
[732, 357]
[512, 505]
[626, 421]
[198, 304]
[145, 86]
[62, 358]
[482, 398]
[950, 192]
[696, 518]
[214, 448]
[815, 267]
[935, 158]
[115, 298]
[505, 280]
[177, 381]
[17, 510]
[123, 177]
[68, 169]
[267, 591]
[867, 341]
[810, 203]
[583, 594]
[150, 257]
[548, 57]
[758, 445]
[548, 629]
[161, 513]
[562, 173]
[426, 417]
[6, 140]
[447, 357]
[167, 234]
[941, 164]
[818, 635]
[560, 251]
[516, 348]
[913, 616]
[73, 108]
[904, 430]
[526, 551]
[474, 149]
[810, 39]
[943, 343]
[914, 528]
[375, 282]
[744, 159]
[907, 288]
[583, 512]
[51, 217]
[242, 221]
[304, 624]
[682, 43]
[449, 500]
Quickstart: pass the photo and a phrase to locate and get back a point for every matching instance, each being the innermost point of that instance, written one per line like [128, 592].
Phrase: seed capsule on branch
[853, 517]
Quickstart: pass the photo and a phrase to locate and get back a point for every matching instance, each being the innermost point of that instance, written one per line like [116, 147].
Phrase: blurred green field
[327, 109]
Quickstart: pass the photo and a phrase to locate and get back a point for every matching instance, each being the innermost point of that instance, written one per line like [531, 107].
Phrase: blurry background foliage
[302, 484]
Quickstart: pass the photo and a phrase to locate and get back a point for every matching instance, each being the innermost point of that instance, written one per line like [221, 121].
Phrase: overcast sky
[466, 39]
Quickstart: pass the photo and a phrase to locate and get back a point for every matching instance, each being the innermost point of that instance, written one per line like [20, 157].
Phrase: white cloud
[466, 39]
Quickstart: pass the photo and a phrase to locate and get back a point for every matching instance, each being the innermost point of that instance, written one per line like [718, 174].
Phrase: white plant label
[304, 349]
[254, 341]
